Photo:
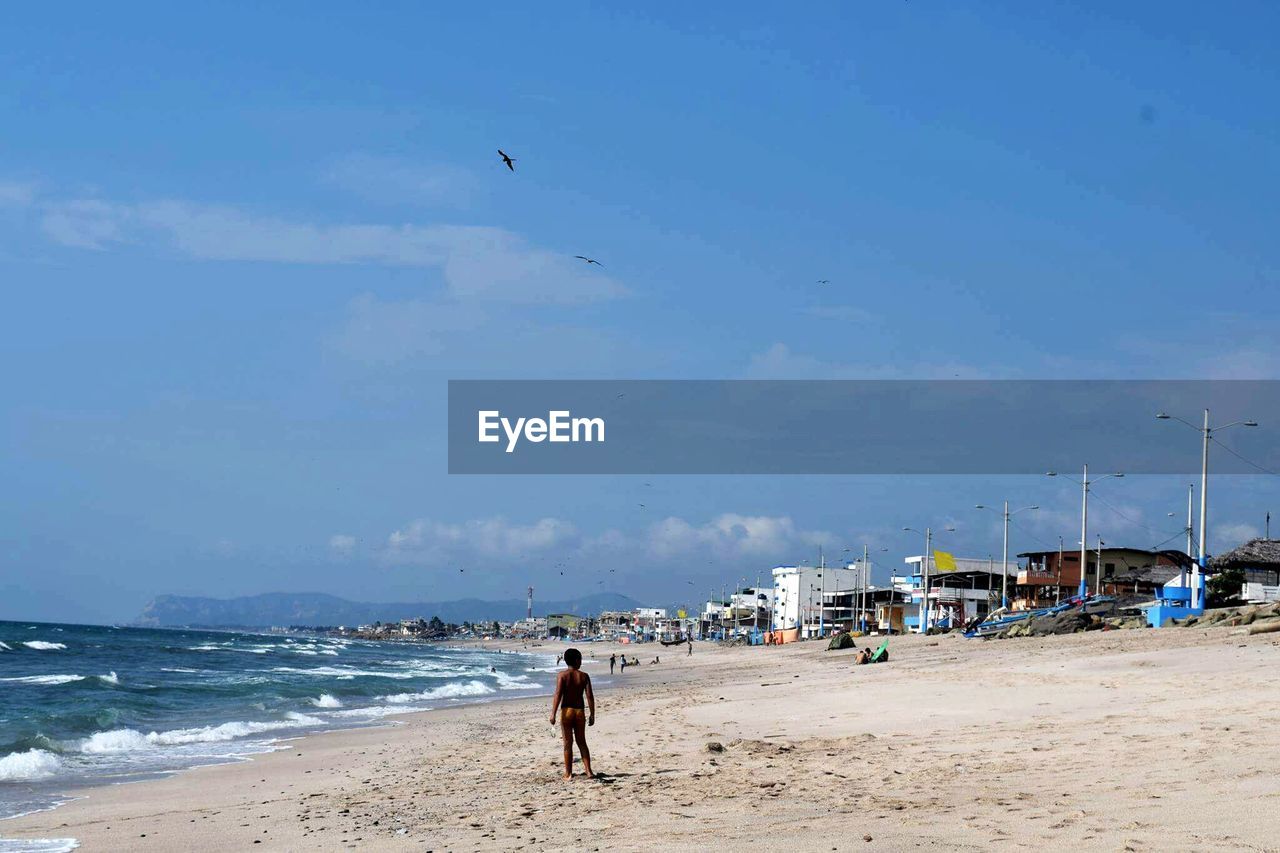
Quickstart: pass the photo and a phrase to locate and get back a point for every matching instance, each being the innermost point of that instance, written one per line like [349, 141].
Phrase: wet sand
[1122, 740]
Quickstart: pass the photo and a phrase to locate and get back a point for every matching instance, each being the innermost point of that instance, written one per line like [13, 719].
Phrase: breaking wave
[32, 764]
[43, 645]
[44, 679]
[445, 691]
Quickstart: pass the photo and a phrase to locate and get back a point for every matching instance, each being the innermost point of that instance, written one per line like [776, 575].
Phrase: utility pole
[756, 609]
[1099, 566]
[822, 594]
[1057, 586]
[862, 603]
[1191, 523]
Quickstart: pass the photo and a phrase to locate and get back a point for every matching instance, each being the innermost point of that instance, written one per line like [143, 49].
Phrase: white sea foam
[5, 647]
[379, 711]
[38, 845]
[129, 740]
[445, 691]
[177, 669]
[327, 700]
[110, 678]
[514, 682]
[32, 764]
[43, 646]
[44, 679]
[341, 672]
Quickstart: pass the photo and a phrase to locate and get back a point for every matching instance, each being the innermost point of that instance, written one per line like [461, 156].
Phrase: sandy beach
[1121, 740]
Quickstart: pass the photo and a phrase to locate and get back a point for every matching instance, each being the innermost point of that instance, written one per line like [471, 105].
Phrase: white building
[955, 597]
[798, 593]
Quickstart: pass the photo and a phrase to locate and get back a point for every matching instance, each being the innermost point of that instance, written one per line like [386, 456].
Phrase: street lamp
[1206, 433]
[1084, 524]
[1004, 563]
[924, 574]
[863, 583]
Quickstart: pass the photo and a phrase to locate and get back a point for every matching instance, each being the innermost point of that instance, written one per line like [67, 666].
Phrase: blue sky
[242, 251]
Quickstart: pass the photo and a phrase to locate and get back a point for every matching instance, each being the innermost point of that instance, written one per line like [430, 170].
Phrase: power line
[1135, 521]
[1261, 468]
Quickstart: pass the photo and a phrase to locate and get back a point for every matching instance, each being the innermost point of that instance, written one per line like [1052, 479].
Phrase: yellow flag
[944, 562]
[680, 614]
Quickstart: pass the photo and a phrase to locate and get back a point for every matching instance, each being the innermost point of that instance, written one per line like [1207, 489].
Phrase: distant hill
[315, 608]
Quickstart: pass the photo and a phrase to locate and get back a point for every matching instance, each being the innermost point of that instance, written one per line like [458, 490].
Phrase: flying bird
[588, 260]
[510, 161]
[824, 281]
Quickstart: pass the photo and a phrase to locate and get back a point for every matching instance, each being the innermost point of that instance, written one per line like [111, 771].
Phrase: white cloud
[757, 540]
[15, 194]
[477, 262]
[733, 535]
[780, 362]
[386, 331]
[342, 544]
[1227, 536]
[424, 540]
[86, 224]
[394, 180]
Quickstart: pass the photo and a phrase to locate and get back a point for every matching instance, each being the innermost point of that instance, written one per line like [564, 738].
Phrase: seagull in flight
[588, 260]
[510, 161]
[824, 281]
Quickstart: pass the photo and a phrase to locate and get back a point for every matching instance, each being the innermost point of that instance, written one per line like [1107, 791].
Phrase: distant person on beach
[691, 645]
[624, 664]
[558, 657]
[571, 687]
[613, 660]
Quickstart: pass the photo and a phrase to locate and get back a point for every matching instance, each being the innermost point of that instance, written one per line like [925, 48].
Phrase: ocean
[85, 705]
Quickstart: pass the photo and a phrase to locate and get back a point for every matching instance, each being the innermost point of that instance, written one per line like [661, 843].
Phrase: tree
[1224, 588]
[436, 625]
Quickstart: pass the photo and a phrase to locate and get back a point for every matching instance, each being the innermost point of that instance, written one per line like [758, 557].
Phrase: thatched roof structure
[1261, 553]
[1154, 575]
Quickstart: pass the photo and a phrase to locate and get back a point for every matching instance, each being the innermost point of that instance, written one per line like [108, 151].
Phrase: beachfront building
[849, 609]
[615, 623]
[534, 627]
[956, 597]
[645, 623]
[1053, 576]
[799, 593]
[1258, 563]
[563, 625]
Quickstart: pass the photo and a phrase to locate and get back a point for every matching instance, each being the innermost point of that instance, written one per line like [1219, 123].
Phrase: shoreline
[284, 743]
[1095, 740]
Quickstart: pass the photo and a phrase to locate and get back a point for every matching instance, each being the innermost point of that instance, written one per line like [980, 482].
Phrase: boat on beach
[999, 620]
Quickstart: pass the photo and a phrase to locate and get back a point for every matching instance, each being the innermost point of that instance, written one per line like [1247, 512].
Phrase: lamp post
[1084, 525]
[864, 581]
[1206, 433]
[924, 575]
[1004, 562]
[822, 593]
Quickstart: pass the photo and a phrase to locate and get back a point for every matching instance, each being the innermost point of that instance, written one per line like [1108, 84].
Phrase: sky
[242, 251]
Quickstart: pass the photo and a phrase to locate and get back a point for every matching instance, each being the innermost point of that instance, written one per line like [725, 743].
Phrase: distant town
[806, 602]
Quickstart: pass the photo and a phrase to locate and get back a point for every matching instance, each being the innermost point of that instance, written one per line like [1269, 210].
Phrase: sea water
[83, 705]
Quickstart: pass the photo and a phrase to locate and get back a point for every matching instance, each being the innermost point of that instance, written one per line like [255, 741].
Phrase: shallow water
[83, 705]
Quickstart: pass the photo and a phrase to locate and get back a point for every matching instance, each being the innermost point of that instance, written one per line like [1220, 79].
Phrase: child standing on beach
[571, 687]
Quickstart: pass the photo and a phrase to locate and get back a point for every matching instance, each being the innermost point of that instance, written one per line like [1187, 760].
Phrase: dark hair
[573, 657]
